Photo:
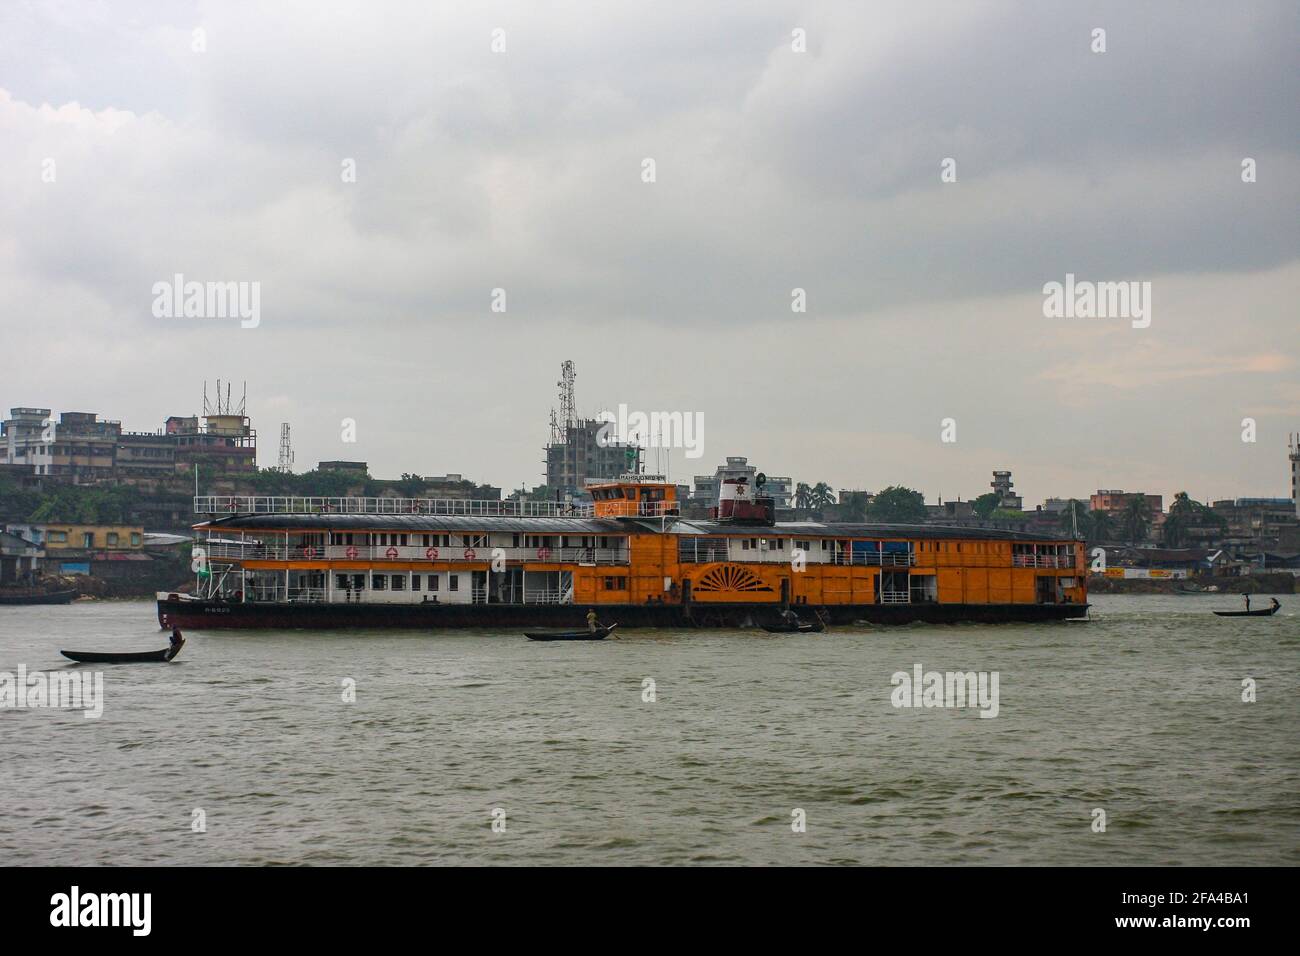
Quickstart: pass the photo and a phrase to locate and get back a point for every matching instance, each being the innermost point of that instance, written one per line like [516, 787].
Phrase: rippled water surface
[1137, 712]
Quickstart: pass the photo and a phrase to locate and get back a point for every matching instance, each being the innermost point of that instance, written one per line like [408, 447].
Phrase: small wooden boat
[803, 627]
[599, 634]
[1261, 612]
[136, 657]
[36, 596]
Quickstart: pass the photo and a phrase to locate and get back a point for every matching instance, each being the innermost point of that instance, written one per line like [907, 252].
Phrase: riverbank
[1282, 582]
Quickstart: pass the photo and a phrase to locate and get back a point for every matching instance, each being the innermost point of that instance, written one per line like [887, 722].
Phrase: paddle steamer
[631, 555]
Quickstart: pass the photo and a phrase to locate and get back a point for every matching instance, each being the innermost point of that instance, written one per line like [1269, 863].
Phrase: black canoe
[36, 596]
[599, 634]
[1262, 612]
[803, 627]
[138, 657]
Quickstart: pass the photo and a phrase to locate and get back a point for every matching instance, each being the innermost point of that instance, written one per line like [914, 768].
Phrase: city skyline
[686, 469]
[379, 181]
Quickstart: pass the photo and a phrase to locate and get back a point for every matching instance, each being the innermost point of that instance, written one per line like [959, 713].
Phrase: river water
[1137, 713]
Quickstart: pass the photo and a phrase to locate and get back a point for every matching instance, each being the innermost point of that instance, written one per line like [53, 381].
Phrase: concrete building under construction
[579, 450]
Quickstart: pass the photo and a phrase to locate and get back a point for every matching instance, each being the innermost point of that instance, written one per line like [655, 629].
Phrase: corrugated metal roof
[342, 522]
[846, 529]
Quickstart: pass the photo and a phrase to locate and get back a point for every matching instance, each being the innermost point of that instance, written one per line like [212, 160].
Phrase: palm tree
[1182, 513]
[1074, 518]
[1099, 526]
[803, 495]
[822, 495]
[1136, 519]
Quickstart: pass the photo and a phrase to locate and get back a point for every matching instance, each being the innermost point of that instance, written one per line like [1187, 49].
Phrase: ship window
[379, 582]
[453, 582]
[433, 582]
[399, 582]
[415, 582]
[959, 547]
[344, 581]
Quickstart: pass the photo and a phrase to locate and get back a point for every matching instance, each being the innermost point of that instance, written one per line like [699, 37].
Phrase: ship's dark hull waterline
[204, 615]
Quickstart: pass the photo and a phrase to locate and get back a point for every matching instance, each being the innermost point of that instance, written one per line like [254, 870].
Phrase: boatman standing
[591, 620]
[1246, 598]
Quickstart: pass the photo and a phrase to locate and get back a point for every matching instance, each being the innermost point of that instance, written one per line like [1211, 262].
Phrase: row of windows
[111, 538]
[395, 582]
[385, 539]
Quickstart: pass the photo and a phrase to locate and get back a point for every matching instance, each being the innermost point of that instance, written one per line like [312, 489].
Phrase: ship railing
[1041, 561]
[270, 551]
[251, 550]
[689, 554]
[515, 595]
[470, 507]
[278, 593]
[545, 596]
[616, 508]
[876, 558]
[894, 597]
[543, 555]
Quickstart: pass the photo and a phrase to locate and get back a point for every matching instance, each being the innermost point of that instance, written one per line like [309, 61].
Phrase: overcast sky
[775, 170]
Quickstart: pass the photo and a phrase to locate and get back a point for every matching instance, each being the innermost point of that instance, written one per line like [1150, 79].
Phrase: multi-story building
[705, 488]
[60, 536]
[19, 558]
[79, 447]
[1113, 501]
[222, 443]
[1002, 486]
[143, 455]
[1254, 522]
[82, 448]
[358, 468]
[581, 452]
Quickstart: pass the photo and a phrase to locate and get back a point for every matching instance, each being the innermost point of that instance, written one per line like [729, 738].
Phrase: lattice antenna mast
[286, 449]
[568, 413]
[223, 404]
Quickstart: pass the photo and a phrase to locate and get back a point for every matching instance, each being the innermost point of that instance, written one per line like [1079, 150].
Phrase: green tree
[803, 495]
[409, 485]
[1136, 519]
[986, 504]
[853, 505]
[1099, 526]
[898, 505]
[1075, 517]
[821, 495]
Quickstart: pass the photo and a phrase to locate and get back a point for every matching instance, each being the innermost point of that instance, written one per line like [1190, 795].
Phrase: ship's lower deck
[203, 614]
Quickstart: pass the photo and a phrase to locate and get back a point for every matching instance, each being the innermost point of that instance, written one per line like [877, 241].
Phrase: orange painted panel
[950, 586]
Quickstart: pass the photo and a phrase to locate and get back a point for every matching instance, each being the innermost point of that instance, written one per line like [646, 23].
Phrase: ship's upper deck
[459, 524]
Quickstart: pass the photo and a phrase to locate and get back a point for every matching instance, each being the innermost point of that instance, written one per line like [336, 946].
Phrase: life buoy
[391, 552]
[470, 554]
[351, 552]
[308, 551]
[430, 553]
[543, 553]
